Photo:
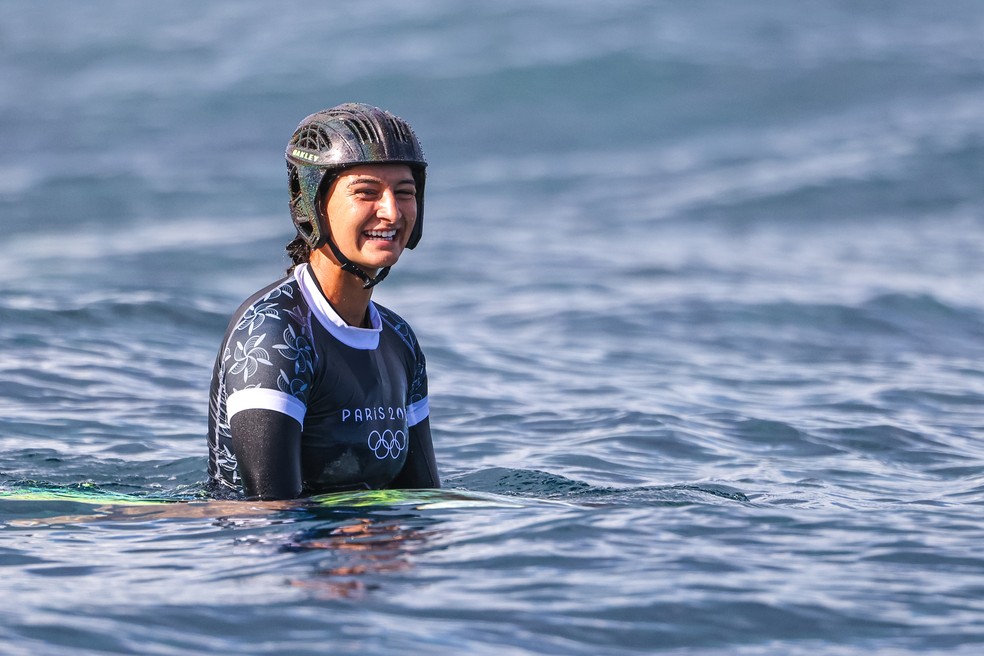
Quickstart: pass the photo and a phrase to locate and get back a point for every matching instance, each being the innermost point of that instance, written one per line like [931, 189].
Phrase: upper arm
[420, 468]
[268, 368]
[268, 453]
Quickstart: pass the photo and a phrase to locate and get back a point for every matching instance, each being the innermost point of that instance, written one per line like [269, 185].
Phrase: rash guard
[303, 403]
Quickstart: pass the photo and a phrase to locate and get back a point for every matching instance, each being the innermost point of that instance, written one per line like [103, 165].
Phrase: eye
[365, 192]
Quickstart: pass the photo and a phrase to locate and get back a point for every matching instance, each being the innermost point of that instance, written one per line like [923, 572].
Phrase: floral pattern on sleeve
[252, 361]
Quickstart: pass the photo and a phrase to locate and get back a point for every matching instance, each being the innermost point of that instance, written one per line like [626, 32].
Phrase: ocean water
[700, 289]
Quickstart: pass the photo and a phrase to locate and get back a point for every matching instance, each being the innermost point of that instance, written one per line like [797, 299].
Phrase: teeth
[381, 234]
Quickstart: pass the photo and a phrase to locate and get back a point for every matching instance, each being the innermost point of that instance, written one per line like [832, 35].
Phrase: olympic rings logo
[387, 444]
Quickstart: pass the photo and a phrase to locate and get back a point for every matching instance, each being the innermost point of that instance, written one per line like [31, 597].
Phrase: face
[371, 211]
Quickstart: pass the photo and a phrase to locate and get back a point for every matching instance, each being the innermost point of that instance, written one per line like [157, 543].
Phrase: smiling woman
[371, 210]
[316, 388]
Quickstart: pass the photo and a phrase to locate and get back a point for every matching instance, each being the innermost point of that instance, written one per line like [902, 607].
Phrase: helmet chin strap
[368, 282]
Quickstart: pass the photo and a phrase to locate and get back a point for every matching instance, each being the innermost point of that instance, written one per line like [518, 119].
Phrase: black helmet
[338, 138]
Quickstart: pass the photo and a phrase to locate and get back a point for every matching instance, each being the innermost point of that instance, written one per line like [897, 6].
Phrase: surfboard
[420, 499]
[106, 501]
[75, 495]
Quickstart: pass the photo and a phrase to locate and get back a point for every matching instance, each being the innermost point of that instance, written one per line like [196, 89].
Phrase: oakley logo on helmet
[300, 154]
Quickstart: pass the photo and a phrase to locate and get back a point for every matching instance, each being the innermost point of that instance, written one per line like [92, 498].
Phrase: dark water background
[701, 284]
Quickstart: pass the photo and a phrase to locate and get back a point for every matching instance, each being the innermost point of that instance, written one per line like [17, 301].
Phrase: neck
[343, 290]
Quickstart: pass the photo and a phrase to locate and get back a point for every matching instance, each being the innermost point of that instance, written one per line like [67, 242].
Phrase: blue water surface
[699, 289]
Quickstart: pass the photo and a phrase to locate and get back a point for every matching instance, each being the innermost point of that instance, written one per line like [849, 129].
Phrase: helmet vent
[312, 137]
[358, 124]
[400, 130]
[295, 184]
[367, 131]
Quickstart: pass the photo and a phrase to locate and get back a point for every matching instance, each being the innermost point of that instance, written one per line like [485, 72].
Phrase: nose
[387, 207]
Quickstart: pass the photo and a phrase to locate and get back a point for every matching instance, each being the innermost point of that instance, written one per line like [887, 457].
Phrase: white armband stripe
[417, 412]
[258, 398]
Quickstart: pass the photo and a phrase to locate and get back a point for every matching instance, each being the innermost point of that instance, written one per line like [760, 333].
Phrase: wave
[541, 484]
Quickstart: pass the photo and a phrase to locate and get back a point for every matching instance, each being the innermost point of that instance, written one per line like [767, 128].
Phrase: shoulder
[275, 303]
[276, 313]
[393, 322]
[269, 338]
[390, 317]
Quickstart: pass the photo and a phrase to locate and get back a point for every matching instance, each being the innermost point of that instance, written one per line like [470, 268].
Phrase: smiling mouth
[385, 235]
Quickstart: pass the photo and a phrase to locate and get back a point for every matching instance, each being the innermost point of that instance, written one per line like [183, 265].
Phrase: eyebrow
[366, 180]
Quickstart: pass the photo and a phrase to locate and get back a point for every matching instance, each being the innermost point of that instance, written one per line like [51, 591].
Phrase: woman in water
[316, 388]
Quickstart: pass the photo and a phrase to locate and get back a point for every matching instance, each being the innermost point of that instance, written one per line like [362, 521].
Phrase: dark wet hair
[299, 251]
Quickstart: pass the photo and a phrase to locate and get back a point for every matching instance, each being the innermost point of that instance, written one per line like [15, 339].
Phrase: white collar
[365, 339]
